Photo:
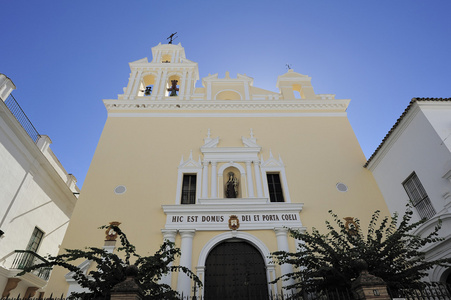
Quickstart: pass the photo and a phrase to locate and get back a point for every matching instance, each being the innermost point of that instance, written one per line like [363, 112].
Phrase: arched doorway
[235, 269]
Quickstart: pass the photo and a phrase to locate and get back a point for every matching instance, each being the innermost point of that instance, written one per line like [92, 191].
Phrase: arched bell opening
[166, 58]
[232, 183]
[147, 85]
[235, 269]
[172, 86]
[297, 91]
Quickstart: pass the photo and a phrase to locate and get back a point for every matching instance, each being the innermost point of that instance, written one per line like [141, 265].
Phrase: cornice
[242, 105]
[226, 208]
[37, 160]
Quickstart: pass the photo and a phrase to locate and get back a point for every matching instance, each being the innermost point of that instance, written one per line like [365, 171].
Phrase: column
[162, 87]
[169, 235]
[250, 182]
[182, 85]
[136, 85]
[282, 245]
[205, 180]
[184, 282]
[246, 91]
[214, 180]
[258, 179]
[131, 81]
[188, 85]
[209, 90]
[156, 86]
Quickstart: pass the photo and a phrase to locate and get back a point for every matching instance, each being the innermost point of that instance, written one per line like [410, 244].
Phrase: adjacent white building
[37, 197]
[413, 164]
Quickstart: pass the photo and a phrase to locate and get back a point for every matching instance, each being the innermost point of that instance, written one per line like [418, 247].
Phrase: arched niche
[228, 95]
[232, 182]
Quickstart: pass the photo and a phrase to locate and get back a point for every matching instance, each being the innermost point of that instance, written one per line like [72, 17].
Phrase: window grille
[418, 196]
[189, 189]
[275, 188]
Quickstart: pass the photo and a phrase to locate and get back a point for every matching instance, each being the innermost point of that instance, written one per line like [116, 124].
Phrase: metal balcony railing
[21, 117]
[25, 258]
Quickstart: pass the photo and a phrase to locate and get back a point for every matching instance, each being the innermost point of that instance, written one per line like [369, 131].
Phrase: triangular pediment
[190, 163]
[272, 162]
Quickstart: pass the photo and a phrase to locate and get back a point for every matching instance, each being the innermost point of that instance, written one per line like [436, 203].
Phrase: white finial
[252, 133]
[181, 161]
[280, 159]
[190, 155]
[208, 133]
[270, 154]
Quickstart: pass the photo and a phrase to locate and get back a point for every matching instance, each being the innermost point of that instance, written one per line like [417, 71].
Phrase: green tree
[110, 269]
[391, 251]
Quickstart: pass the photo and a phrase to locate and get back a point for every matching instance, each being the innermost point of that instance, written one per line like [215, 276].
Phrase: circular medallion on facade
[234, 223]
[342, 187]
[120, 189]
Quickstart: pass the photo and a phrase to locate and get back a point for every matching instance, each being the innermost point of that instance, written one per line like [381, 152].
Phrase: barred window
[189, 189]
[418, 196]
[275, 188]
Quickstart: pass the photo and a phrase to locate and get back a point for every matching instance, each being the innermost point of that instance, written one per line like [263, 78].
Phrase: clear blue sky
[66, 56]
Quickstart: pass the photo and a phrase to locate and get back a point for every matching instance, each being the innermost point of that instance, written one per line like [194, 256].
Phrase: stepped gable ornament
[111, 235]
[171, 37]
[234, 223]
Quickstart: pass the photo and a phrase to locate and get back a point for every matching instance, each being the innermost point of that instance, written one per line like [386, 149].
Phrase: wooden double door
[235, 270]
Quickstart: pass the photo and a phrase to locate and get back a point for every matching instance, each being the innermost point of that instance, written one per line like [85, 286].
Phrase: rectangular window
[35, 240]
[27, 259]
[189, 189]
[275, 188]
[418, 197]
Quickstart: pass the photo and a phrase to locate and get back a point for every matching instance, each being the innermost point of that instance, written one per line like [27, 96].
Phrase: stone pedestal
[127, 289]
[368, 286]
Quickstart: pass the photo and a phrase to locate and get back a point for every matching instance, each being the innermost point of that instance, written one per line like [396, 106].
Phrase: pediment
[84, 266]
[190, 163]
[272, 162]
[211, 143]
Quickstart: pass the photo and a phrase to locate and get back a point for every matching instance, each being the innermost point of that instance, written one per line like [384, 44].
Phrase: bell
[148, 91]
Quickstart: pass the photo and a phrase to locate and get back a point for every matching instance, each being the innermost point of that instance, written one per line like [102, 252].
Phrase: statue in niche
[231, 186]
[173, 89]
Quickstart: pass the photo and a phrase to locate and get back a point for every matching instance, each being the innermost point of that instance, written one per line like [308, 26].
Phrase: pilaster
[250, 182]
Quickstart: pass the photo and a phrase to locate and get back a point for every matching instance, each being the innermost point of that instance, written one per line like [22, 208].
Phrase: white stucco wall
[419, 144]
[35, 192]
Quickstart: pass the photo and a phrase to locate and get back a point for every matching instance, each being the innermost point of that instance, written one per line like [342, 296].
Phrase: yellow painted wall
[143, 153]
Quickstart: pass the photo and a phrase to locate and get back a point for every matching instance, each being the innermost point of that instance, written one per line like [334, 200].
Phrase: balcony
[21, 117]
[26, 258]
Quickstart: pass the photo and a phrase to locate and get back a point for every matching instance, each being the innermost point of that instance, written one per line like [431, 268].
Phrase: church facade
[222, 170]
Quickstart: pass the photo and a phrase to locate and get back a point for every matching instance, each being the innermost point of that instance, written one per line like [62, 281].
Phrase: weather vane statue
[171, 37]
[288, 66]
